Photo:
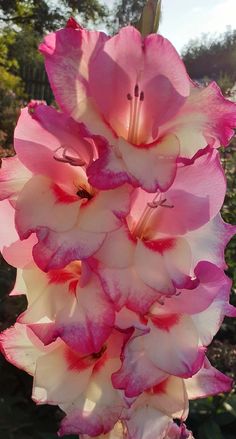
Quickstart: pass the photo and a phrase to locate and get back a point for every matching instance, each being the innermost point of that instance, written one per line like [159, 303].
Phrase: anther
[97, 355]
[61, 156]
[141, 98]
[82, 193]
[170, 206]
[162, 204]
[153, 204]
[161, 300]
[129, 97]
[163, 201]
[136, 91]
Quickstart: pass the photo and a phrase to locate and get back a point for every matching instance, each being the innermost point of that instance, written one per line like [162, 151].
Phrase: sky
[183, 20]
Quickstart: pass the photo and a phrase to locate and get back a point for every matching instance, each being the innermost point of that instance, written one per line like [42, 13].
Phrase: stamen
[140, 226]
[158, 201]
[154, 204]
[135, 107]
[61, 156]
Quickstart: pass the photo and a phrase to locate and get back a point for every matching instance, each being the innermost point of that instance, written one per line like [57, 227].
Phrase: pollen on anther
[83, 193]
[136, 91]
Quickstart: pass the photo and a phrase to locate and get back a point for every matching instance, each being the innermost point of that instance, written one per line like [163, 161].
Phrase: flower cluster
[111, 212]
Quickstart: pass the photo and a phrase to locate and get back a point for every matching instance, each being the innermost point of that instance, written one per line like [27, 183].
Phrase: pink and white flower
[160, 232]
[150, 415]
[59, 305]
[80, 385]
[70, 218]
[179, 330]
[140, 99]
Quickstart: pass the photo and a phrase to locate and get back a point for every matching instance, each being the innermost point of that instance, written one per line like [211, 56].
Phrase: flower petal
[81, 64]
[109, 170]
[20, 347]
[208, 321]
[60, 376]
[38, 136]
[103, 212]
[208, 381]
[173, 259]
[84, 328]
[13, 176]
[194, 200]
[147, 423]
[171, 347]
[56, 250]
[120, 279]
[15, 252]
[206, 117]
[43, 204]
[115, 71]
[154, 167]
[100, 406]
[211, 281]
[68, 54]
[208, 242]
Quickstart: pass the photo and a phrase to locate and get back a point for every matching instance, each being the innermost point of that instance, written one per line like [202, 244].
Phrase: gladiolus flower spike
[111, 211]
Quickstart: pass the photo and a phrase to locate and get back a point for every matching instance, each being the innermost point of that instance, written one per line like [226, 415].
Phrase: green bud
[150, 18]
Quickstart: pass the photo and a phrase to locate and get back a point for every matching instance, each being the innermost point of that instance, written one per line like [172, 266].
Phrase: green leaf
[225, 418]
[209, 430]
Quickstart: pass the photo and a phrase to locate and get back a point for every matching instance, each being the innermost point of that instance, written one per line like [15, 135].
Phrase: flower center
[97, 355]
[83, 193]
[141, 227]
[76, 362]
[136, 101]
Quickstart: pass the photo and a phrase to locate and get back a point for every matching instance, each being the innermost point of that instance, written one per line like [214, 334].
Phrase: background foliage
[22, 25]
